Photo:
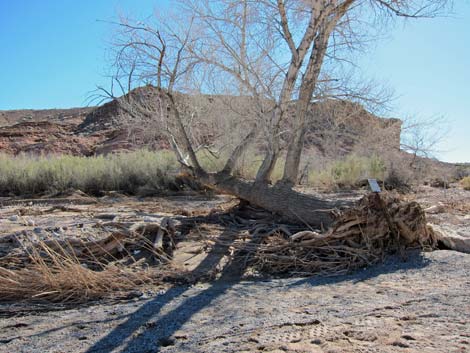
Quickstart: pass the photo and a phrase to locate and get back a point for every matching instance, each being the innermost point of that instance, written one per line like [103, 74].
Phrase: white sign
[374, 186]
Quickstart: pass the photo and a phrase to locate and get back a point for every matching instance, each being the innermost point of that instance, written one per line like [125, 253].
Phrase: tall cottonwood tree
[240, 47]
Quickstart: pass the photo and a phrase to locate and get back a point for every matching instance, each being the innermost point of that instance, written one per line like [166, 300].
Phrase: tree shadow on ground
[150, 327]
[140, 319]
[392, 263]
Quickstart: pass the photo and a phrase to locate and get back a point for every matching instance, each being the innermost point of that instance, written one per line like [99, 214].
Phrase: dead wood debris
[73, 271]
[141, 242]
[360, 236]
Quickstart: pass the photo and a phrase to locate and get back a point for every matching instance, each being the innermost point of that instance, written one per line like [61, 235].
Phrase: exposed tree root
[360, 236]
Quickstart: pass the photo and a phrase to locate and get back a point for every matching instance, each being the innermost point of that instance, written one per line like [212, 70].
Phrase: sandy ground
[418, 305]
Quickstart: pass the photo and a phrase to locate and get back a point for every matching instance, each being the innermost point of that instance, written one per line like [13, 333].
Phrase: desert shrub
[249, 168]
[466, 183]
[211, 162]
[461, 172]
[348, 172]
[396, 179]
[251, 161]
[147, 173]
[376, 167]
[439, 183]
[127, 172]
[342, 173]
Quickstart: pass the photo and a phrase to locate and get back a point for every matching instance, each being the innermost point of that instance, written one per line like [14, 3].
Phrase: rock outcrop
[336, 128]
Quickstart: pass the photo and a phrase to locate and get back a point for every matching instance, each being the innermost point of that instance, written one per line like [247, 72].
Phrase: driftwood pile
[140, 243]
[360, 236]
[75, 271]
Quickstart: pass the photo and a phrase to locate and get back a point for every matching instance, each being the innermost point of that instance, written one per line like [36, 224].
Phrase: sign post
[374, 185]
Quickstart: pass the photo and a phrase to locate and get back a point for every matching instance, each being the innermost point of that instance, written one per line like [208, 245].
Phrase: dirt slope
[11, 117]
[45, 137]
[336, 128]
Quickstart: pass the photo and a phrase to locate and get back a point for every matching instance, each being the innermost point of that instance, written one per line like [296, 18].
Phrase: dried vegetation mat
[74, 271]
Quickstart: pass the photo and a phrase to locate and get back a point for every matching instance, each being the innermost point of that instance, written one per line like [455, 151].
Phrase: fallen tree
[239, 46]
[135, 254]
[359, 237]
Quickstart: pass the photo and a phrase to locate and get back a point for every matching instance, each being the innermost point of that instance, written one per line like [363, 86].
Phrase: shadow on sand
[134, 335]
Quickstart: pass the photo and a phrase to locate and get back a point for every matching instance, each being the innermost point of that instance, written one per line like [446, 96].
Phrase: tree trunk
[289, 204]
[295, 147]
[309, 82]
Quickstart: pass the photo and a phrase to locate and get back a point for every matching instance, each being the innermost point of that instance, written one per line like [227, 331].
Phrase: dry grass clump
[466, 183]
[62, 278]
[67, 281]
[73, 271]
[361, 236]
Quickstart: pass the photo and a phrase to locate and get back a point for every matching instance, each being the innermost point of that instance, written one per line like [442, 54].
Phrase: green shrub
[348, 172]
[127, 172]
[466, 183]
[461, 171]
[144, 172]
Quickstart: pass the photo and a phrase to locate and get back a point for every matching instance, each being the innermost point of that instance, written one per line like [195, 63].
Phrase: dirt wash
[421, 304]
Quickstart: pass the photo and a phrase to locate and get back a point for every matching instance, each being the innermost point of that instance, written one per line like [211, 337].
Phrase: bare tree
[421, 137]
[240, 47]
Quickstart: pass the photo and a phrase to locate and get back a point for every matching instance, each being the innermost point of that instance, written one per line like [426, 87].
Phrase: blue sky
[53, 54]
